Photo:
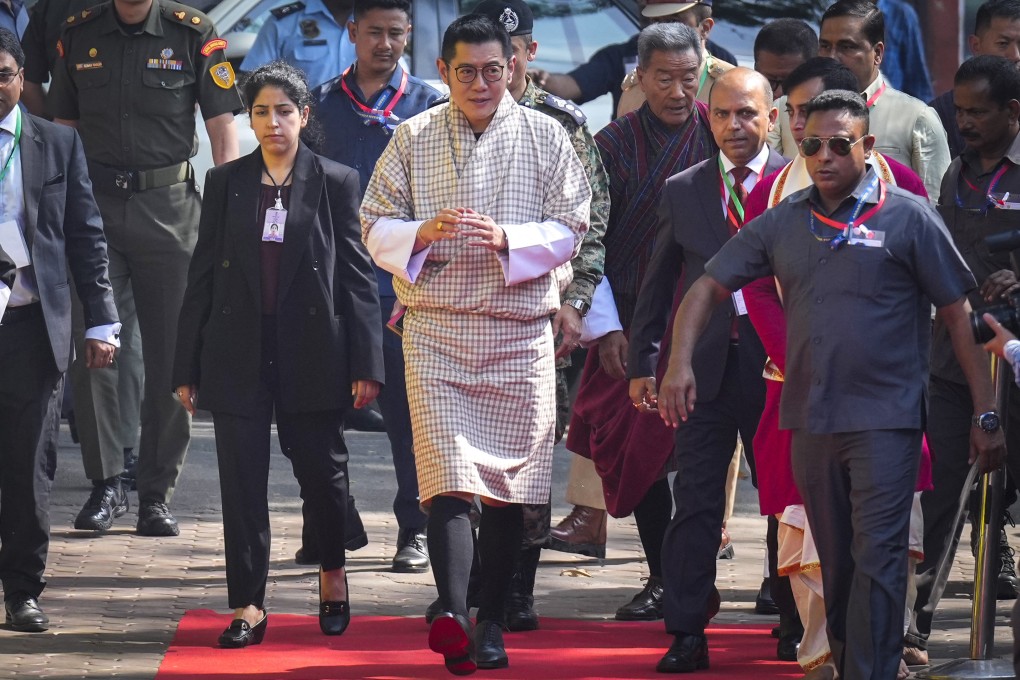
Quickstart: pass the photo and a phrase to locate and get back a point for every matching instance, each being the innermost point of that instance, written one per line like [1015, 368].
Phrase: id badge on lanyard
[275, 224]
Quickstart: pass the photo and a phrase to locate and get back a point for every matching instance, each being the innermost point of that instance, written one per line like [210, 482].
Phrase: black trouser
[704, 449]
[28, 392]
[858, 488]
[314, 445]
[949, 424]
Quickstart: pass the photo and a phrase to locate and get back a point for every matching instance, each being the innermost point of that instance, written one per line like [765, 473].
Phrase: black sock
[450, 549]
[652, 515]
[499, 542]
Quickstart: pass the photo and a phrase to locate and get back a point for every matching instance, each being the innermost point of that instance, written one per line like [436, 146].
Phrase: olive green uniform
[133, 96]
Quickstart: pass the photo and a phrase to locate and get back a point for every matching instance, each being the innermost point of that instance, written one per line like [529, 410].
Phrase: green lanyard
[704, 76]
[17, 142]
[733, 194]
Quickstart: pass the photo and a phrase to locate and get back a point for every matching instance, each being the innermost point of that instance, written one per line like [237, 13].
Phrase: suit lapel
[32, 161]
[242, 207]
[304, 204]
[707, 186]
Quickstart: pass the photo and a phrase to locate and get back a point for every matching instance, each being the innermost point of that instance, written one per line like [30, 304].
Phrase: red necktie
[739, 175]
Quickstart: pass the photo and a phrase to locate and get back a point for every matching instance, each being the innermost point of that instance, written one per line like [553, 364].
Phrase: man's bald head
[741, 113]
[744, 80]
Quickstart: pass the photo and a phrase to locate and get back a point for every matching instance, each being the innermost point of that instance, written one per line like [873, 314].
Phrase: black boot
[520, 602]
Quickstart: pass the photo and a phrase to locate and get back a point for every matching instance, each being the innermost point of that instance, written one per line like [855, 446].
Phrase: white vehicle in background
[569, 32]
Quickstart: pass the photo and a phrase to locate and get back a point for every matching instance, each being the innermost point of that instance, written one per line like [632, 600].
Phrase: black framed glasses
[8, 76]
[841, 146]
[490, 72]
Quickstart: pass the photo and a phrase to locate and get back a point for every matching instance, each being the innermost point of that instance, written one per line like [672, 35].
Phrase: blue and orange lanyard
[989, 201]
[847, 228]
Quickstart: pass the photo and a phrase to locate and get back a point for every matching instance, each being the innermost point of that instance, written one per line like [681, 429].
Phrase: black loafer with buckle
[240, 634]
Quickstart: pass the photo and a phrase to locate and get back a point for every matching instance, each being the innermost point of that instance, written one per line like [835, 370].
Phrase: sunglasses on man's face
[840, 146]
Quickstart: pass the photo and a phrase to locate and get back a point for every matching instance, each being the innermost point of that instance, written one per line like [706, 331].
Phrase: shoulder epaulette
[564, 105]
[84, 16]
[185, 15]
[444, 99]
[281, 12]
[717, 67]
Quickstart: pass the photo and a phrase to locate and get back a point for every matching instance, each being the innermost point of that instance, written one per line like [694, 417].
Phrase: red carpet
[393, 647]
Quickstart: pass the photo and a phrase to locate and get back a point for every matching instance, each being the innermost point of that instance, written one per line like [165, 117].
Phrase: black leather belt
[19, 314]
[117, 181]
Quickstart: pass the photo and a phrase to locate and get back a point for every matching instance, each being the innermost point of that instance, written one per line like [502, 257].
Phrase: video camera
[1007, 313]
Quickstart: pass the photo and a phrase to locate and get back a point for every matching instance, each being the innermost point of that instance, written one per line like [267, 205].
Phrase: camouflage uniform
[587, 265]
[591, 259]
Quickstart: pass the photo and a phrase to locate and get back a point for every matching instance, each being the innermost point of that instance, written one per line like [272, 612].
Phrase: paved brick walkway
[115, 600]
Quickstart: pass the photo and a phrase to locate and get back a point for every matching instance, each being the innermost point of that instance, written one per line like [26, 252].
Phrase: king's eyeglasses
[840, 146]
[490, 72]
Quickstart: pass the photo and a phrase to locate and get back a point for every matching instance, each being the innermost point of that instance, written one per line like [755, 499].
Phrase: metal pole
[982, 663]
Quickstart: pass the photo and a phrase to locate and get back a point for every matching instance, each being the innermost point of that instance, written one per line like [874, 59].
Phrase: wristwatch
[581, 306]
[988, 422]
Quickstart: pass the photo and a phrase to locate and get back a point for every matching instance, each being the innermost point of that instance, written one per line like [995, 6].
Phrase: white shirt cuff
[534, 249]
[391, 242]
[5, 295]
[109, 333]
[602, 317]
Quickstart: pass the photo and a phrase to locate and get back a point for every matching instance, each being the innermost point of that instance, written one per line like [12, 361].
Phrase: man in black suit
[48, 221]
[701, 208]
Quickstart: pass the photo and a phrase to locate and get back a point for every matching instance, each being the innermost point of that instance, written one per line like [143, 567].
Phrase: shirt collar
[970, 157]
[756, 164]
[876, 84]
[9, 123]
[153, 22]
[812, 193]
[352, 81]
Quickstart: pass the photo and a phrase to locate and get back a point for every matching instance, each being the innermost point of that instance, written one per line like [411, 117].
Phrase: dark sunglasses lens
[840, 146]
[810, 146]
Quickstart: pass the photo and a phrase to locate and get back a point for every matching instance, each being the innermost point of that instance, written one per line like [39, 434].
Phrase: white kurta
[478, 347]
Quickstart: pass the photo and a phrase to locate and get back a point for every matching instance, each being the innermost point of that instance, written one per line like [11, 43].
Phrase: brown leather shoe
[583, 531]
[725, 547]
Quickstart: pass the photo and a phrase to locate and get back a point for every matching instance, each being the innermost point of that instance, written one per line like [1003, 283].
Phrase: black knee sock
[499, 541]
[450, 549]
[652, 515]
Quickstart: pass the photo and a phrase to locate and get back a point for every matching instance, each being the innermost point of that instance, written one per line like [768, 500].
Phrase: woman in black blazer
[281, 315]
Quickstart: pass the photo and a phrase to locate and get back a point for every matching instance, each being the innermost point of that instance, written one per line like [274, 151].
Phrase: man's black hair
[362, 6]
[10, 44]
[874, 20]
[846, 101]
[1002, 76]
[474, 29]
[834, 75]
[995, 9]
[787, 36]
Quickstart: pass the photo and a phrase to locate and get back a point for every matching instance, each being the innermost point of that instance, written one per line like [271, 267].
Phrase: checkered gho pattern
[522, 169]
[482, 394]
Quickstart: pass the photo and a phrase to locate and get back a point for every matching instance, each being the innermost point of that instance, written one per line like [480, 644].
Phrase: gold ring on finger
[439, 226]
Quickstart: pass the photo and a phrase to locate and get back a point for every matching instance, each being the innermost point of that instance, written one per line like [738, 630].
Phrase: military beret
[514, 15]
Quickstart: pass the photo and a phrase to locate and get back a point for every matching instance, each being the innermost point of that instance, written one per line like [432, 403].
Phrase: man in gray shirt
[859, 264]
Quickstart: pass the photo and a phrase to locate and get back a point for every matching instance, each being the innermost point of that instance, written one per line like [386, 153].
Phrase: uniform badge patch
[509, 20]
[309, 28]
[85, 13]
[179, 16]
[71, 19]
[196, 20]
[88, 66]
[166, 53]
[93, 52]
[223, 75]
[213, 45]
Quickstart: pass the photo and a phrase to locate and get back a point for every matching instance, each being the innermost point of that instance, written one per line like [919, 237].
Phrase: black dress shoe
[763, 602]
[646, 605]
[24, 614]
[366, 419]
[107, 501]
[155, 519]
[450, 635]
[490, 651]
[789, 645]
[412, 554]
[688, 653]
[239, 634]
[335, 615]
